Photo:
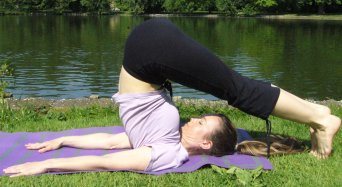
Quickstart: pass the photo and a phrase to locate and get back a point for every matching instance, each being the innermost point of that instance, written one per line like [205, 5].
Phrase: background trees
[230, 7]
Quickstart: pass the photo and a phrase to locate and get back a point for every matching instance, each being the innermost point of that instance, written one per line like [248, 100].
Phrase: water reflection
[71, 56]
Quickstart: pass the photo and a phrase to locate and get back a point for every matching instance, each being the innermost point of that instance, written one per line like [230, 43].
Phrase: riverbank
[304, 17]
[336, 17]
[280, 16]
[107, 102]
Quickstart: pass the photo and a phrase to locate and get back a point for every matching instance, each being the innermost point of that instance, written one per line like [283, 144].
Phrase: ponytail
[279, 146]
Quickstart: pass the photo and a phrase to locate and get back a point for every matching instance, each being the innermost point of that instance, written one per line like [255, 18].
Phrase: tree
[175, 5]
[46, 4]
[322, 4]
[227, 7]
[206, 5]
[266, 3]
[98, 5]
[145, 6]
[63, 5]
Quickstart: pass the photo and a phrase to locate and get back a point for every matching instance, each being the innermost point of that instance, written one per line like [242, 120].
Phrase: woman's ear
[206, 144]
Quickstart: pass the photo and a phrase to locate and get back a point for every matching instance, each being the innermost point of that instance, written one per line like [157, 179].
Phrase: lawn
[292, 170]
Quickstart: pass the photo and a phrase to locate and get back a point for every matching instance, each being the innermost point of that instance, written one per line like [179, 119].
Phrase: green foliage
[312, 6]
[95, 6]
[266, 3]
[171, 6]
[136, 6]
[5, 111]
[244, 177]
[144, 6]
[6, 70]
[5, 116]
[249, 10]
[327, 2]
[178, 6]
[323, 3]
[58, 6]
[122, 5]
[207, 5]
[227, 6]
[63, 5]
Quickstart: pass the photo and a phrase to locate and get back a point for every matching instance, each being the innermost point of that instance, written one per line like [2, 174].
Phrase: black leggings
[157, 51]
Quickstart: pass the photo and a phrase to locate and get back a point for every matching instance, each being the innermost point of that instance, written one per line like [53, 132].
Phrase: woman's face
[199, 129]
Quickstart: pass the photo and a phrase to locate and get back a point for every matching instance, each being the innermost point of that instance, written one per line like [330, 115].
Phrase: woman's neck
[191, 149]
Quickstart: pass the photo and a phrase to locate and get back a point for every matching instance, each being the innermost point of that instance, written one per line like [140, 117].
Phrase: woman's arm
[135, 159]
[91, 141]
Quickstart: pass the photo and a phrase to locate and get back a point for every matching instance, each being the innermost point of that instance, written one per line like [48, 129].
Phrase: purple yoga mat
[12, 151]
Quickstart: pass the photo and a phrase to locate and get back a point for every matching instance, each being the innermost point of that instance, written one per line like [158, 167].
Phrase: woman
[155, 52]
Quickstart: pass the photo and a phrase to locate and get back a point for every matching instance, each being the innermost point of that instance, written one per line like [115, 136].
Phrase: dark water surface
[74, 56]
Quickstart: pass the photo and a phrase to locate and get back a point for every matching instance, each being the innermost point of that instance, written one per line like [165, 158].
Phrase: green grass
[292, 170]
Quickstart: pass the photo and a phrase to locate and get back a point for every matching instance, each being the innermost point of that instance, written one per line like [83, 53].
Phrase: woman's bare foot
[323, 125]
[322, 136]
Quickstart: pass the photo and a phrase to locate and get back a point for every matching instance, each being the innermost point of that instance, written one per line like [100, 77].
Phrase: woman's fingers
[35, 145]
[15, 168]
[43, 147]
[10, 170]
[25, 169]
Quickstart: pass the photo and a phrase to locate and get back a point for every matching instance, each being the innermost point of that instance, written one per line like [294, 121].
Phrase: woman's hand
[46, 146]
[29, 168]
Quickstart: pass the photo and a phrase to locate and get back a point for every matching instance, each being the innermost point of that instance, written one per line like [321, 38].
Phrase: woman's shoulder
[166, 156]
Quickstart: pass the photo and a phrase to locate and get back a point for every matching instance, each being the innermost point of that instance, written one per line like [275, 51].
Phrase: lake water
[76, 56]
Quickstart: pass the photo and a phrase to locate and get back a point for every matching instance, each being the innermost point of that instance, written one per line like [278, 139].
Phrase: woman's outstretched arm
[135, 159]
[91, 141]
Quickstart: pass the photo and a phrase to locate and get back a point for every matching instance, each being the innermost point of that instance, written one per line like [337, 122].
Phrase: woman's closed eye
[202, 121]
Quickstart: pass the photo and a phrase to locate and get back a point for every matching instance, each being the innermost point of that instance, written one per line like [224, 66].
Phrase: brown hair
[225, 142]
[224, 139]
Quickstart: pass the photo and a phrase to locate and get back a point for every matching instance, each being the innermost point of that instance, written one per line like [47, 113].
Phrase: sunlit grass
[292, 170]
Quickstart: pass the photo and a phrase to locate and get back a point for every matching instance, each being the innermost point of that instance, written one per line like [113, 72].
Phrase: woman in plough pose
[157, 52]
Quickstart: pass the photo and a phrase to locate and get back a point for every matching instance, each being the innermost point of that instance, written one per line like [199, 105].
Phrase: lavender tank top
[151, 119]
